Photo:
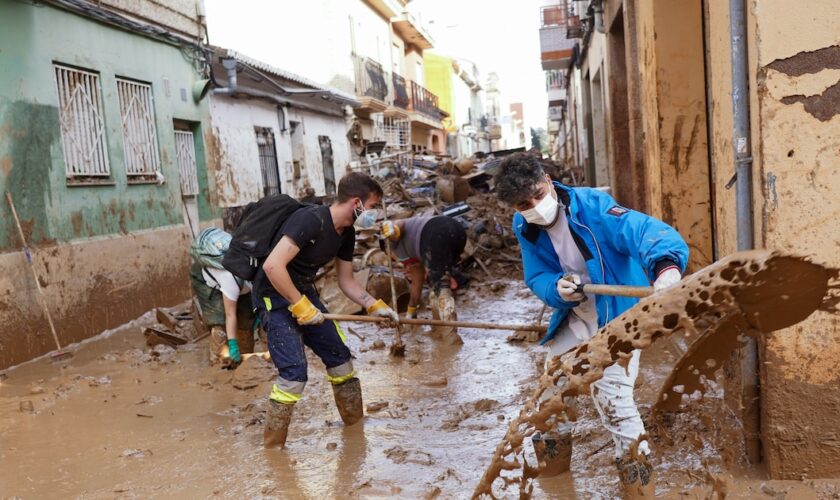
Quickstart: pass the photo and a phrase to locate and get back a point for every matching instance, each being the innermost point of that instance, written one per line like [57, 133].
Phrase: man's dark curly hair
[517, 177]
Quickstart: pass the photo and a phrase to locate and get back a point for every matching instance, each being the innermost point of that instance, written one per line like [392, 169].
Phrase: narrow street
[642, 194]
[121, 420]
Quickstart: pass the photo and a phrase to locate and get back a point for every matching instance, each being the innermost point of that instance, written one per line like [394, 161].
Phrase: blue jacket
[621, 247]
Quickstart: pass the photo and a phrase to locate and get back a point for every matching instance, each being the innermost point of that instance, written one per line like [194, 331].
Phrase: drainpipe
[750, 395]
[598, 10]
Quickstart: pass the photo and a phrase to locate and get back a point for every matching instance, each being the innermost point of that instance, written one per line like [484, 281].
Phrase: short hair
[357, 185]
[517, 178]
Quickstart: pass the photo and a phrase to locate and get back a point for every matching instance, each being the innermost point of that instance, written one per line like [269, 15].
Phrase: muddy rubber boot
[217, 344]
[348, 400]
[446, 311]
[636, 475]
[554, 452]
[277, 419]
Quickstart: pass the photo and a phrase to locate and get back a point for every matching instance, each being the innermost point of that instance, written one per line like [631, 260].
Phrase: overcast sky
[500, 36]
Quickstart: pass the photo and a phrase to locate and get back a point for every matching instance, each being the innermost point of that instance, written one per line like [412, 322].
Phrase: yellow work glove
[411, 312]
[391, 230]
[305, 313]
[381, 309]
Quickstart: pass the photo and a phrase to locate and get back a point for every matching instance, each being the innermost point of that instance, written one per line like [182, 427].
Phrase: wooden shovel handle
[617, 290]
[438, 322]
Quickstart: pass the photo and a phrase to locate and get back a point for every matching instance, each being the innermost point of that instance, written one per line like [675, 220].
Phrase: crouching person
[293, 315]
[224, 300]
[429, 246]
[572, 236]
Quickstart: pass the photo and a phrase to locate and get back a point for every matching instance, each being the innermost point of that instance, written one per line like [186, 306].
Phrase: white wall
[237, 173]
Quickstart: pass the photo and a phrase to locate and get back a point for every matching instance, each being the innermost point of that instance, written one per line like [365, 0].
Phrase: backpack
[210, 247]
[256, 234]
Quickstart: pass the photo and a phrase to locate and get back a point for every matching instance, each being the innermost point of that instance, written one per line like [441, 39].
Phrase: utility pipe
[750, 394]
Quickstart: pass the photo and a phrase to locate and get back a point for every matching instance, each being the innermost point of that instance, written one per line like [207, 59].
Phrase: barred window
[81, 123]
[185, 154]
[268, 161]
[138, 128]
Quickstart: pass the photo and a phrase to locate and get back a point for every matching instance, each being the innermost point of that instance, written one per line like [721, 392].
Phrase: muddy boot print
[348, 400]
[636, 475]
[277, 419]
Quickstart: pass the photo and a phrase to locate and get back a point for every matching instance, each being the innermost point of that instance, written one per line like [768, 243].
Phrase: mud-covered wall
[55, 212]
[798, 147]
[673, 106]
[90, 286]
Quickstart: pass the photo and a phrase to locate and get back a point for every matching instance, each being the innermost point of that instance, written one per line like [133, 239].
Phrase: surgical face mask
[544, 213]
[365, 219]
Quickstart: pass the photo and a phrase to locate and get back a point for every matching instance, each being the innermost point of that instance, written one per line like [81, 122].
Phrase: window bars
[138, 128]
[81, 123]
[185, 155]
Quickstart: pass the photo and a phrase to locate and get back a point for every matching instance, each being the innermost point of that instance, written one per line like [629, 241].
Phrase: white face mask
[365, 219]
[544, 213]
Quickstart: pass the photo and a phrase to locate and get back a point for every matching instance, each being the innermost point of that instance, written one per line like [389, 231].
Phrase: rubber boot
[277, 419]
[636, 475]
[554, 452]
[217, 344]
[348, 400]
[446, 311]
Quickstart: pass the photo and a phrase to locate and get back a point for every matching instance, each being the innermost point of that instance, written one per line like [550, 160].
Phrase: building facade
[650, 96]
[102, 148]
[274, 131]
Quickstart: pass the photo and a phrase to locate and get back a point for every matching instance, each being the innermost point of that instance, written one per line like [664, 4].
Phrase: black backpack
[256, 234]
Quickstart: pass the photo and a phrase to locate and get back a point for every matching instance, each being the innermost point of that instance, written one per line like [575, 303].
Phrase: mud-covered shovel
[398, 347]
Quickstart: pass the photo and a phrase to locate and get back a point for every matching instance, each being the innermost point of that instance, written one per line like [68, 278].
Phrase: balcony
[371, 84]
[424, 103]
[555, 48]
[399, 89]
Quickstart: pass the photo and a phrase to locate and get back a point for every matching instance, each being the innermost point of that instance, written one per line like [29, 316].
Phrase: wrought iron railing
[423, 101]
[370, 79]
[400, 91]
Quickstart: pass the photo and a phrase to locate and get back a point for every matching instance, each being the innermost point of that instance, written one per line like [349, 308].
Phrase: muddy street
[121, 420]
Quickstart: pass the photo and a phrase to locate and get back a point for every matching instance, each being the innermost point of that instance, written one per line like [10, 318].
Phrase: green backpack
[210, 247]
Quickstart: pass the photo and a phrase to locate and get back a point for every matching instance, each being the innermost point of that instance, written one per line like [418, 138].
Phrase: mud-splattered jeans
[612, 396]
[286, 339]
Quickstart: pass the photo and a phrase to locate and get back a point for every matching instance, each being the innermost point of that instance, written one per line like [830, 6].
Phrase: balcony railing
[393, 89]
[423, 101]
[370, 79]
[400, 91]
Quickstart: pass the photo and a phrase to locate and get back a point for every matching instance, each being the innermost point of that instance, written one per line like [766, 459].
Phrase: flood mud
[749, 293]
[124, 420]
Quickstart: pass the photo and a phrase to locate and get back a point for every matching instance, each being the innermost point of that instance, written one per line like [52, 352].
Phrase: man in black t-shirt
[291, 312]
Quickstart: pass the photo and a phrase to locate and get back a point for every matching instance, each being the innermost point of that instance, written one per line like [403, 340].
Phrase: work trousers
[286, 340]
[612, 396]
[441, 243]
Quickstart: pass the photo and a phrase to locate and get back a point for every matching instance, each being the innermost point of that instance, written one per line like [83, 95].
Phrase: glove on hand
[390, 230]
[567, 288]
[669, 277]
[381, 309]
[305, 313]
[411, 312]
[234, 356]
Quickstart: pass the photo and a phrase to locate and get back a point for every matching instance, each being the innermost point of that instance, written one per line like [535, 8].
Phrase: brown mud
[750, 293]
[121, 420]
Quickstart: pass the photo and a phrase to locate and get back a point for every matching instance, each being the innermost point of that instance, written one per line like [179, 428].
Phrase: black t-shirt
[313, 231]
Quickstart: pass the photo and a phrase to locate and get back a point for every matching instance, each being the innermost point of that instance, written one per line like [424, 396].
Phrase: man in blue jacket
[571, 236]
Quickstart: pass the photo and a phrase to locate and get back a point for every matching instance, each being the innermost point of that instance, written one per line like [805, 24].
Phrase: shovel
[616, 290]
